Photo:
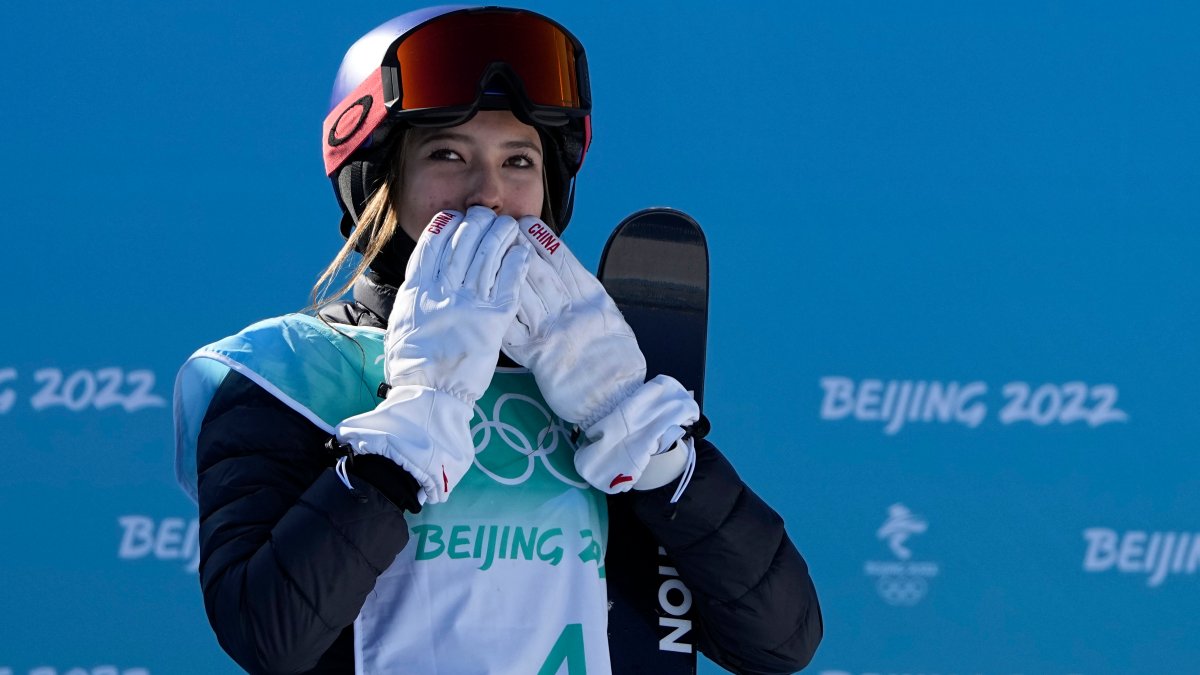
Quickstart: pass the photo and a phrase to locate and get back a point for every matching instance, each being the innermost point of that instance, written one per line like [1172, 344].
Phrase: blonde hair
[379, 222]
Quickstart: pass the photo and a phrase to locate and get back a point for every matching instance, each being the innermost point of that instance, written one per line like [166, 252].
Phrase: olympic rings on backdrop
[902, 590]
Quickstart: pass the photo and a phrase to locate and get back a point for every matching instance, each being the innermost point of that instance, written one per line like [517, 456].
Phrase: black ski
[655, 266]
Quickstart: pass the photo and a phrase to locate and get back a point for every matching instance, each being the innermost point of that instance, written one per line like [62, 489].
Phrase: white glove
[443, 339]
[628, 448]
[588, 365]
[570, 333]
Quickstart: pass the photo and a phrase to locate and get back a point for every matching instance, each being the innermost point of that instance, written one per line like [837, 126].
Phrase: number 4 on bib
[568, 649]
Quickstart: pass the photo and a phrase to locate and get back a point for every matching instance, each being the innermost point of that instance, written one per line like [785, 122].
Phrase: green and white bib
[505, 577]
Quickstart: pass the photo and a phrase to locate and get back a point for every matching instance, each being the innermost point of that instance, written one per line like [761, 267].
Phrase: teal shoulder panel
[324, 373]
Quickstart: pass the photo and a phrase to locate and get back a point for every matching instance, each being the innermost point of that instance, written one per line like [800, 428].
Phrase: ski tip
[659, 222]
[661, 212]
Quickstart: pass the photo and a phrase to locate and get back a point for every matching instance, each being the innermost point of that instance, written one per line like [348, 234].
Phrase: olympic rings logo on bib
[505, 454]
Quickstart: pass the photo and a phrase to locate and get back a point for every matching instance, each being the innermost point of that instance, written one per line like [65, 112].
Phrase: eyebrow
[463, 138]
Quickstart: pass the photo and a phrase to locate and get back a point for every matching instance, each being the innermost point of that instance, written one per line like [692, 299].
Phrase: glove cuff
[425, 431]
[619, 398]
[665, 466]
[648, 422]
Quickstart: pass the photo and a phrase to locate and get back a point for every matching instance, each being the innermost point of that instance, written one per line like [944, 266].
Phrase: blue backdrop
[954, 317]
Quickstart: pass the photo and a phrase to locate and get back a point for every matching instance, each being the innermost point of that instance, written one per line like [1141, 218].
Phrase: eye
[445, 154]
[521, 161]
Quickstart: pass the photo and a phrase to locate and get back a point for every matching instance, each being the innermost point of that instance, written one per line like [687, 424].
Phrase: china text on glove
[443, 338]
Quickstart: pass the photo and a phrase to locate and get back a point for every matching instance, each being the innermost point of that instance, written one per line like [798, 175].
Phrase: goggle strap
[351, 123]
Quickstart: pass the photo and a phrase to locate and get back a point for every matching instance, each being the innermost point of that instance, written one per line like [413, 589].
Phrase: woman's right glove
[588, 365]
[443, 339]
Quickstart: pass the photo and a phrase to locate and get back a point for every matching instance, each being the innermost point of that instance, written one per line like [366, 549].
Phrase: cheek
[422, 199]
[525, 199]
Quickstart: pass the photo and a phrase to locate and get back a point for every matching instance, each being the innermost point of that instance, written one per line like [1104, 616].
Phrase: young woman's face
[494, 160]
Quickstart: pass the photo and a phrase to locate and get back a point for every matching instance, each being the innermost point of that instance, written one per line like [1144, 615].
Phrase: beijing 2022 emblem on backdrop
[902, 582]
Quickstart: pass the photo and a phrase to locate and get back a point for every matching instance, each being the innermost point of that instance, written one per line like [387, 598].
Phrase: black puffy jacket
[288, 555]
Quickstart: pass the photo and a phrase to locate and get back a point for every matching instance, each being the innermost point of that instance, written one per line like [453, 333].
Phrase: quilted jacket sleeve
[287, 553]
[757, 607]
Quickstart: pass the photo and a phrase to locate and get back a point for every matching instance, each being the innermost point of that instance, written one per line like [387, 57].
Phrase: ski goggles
[434, 75]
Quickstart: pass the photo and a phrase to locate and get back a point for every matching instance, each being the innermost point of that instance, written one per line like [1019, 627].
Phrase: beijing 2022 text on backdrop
[954, 318]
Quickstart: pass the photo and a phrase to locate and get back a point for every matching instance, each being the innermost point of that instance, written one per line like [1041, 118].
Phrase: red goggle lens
[442, 62]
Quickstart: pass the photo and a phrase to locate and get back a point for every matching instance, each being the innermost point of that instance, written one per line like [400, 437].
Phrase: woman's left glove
[588, 365]
[443, 339]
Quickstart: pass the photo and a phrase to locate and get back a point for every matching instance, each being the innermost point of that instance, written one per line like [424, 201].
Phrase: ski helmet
[437, 67]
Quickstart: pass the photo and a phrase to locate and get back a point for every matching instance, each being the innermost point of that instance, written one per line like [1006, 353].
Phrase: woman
[376, 493]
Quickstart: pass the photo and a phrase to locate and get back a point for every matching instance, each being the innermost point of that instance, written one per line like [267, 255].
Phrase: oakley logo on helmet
[345, 130]
[338, 134]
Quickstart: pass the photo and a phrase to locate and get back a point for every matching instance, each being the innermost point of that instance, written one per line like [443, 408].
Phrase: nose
[487, 189]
